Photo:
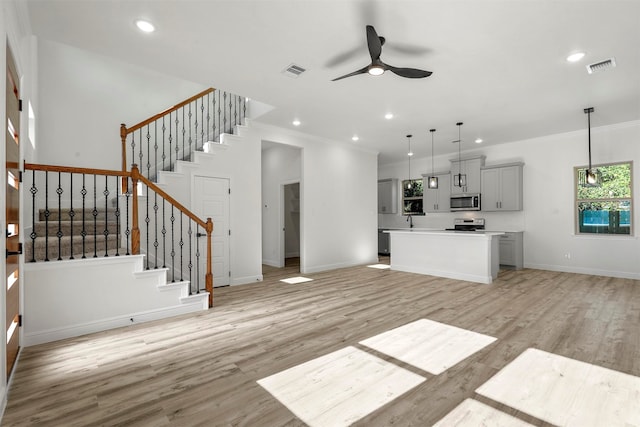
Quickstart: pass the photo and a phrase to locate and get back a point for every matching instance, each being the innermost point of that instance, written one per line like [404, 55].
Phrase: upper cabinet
[502, 187]
[438, 199]
[388, 196]
[471, 168]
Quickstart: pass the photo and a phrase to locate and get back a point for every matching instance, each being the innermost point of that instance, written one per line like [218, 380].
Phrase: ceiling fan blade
[374, 43]
[355, 73]
[412, 73]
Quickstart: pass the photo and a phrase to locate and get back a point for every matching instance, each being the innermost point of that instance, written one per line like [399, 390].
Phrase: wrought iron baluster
[208, 118]
[184, 133]
[33, 235]
[190, 139]
[224, 113]
[155, 150]
[198, 234]
[173, 248]
[201, 124]
[147, 220]
[170, 143]
[219, 117]
[72, 213]
[127, 231]
[181, 243]
[117, 215]
[46, 215]
[235, 110]
[155, 225]
[133, 146]
[177, 147]
[164, 128]
[190, 265]
[164, 236]
[59, 234]
[106, 215]
[95, 217]
[148, 164]
[84, 223]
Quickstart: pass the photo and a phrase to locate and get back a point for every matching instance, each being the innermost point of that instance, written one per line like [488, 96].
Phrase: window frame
[576, 201]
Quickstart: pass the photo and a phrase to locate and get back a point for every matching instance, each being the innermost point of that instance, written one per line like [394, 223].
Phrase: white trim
[110, 323]
[65, 264]
[245, 280]
[581, 270]
[327, 267]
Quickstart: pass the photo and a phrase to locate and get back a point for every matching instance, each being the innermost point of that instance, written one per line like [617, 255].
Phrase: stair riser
[40, 228]
[64, 215]
[66, 247]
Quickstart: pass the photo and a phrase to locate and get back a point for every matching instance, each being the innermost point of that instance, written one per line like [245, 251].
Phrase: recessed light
[145, 26]
[296, 122]
[410, 153]
[388, 116]
[575, 57]
[478, 141]
[355, 138]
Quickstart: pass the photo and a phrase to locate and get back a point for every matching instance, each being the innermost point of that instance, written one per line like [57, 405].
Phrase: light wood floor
[202, 369]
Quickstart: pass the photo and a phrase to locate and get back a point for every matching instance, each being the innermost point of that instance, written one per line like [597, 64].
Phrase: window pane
[606, 217]
[616, 183]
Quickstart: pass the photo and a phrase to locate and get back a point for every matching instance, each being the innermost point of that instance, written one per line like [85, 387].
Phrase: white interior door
[211, 200]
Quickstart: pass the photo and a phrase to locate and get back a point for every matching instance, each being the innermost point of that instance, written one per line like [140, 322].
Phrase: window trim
[576, 201]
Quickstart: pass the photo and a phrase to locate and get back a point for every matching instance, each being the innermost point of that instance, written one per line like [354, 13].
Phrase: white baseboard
[326, 267]
[581, 270]
[246, 280]
[49, 335]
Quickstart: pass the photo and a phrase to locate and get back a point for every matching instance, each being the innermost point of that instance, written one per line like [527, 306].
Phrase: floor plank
[202, 369]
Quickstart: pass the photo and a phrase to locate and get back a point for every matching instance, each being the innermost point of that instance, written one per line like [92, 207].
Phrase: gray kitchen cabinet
[388, 196]
[471, 168]
[438, 199]
[502, 188]
[511, 249]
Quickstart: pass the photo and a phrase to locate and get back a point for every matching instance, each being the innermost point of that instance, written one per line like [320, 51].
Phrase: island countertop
[463, 255]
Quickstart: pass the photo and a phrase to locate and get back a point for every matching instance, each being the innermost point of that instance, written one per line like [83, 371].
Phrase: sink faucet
[410, 220]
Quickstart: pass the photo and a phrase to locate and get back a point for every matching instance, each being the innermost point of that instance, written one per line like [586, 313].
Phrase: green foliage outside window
[605, 209]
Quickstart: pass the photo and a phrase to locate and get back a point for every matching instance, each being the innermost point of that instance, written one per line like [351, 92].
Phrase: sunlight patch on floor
[339, 388]
[380, 266]
[566, 392]
[296, 280]
[471, 413]
[431, 346]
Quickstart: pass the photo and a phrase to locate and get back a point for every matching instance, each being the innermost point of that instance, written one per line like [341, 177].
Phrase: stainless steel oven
[465, 202]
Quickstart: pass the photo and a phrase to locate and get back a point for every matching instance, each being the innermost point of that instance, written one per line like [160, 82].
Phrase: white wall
[338, 193]
[548, 216]
[281, 164]
[87, 96]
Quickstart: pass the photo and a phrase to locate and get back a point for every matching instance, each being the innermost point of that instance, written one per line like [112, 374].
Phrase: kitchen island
[472, 256]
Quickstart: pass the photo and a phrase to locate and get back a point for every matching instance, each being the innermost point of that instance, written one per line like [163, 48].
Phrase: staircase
[77, 233]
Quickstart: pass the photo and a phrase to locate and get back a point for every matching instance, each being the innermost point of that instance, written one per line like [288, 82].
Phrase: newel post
[135, 231]
[209, 276]
[123, 137]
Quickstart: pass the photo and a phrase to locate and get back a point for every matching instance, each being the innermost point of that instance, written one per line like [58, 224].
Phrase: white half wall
[550, 242]
[338, 193]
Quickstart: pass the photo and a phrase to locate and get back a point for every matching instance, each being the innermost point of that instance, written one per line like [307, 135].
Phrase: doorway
[213, 202]
[12, 191]
[290, 220]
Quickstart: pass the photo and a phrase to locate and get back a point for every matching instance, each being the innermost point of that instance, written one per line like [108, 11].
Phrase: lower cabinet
[511, 249]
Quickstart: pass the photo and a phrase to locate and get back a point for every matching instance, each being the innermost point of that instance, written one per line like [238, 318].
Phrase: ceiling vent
[293, 71]
[597, 67]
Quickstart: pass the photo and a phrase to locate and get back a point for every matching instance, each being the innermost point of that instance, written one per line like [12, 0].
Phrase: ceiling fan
[377, 67]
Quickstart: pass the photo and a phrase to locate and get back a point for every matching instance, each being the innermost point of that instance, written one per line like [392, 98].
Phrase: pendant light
[432, 180]
[409, 153]
[590, 178]
[460, 179]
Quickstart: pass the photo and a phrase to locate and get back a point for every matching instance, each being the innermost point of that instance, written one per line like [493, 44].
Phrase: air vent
[597, 67]
[293, 71]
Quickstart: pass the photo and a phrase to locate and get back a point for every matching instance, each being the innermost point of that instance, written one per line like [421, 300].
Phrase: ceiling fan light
[145, 26]
[376, 70]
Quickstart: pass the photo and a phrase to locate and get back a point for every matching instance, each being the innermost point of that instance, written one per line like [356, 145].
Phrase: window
[607, 208]
[412, 190]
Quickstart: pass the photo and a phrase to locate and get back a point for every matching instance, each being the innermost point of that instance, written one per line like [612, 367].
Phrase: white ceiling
[498, 66]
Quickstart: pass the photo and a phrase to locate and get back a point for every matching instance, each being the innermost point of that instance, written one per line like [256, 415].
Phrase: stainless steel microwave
[465, 202]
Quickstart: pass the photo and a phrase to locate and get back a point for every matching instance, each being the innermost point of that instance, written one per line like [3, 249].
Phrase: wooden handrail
[72, 169]
[166, 196]
[165, 112]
